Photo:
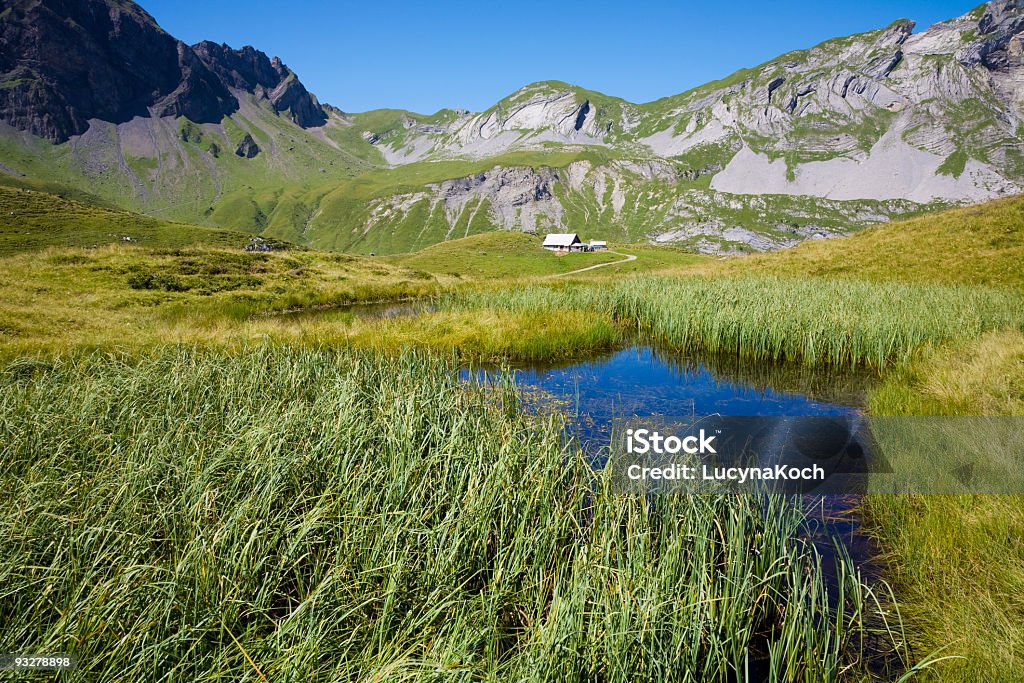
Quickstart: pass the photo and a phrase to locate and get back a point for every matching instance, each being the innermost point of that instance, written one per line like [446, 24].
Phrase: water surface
[643, 381]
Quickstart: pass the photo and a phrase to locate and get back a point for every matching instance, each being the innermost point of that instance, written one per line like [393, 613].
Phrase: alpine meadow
[294, 393]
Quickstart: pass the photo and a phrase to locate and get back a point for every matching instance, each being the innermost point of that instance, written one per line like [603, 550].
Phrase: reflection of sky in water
[642, 382]
[638, 381]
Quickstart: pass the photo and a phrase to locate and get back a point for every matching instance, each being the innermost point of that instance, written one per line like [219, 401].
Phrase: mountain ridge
[815, 143]
[117, 63]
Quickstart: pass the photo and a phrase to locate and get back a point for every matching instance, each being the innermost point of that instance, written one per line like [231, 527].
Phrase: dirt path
[629, 257]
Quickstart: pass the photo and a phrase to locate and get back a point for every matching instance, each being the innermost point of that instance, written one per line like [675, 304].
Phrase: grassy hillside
[49, 187]
[398, 210]
[506, 254]
[340, 217]
[32, 220]
[182, 171]
[935, 305]
[498, 255]
[981, 245]
[175, 282]
[330, 189]
[957, 561]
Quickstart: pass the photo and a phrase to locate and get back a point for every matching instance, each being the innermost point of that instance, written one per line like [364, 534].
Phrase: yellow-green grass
[958, 561]
[978, 245]
[176, 282]
[764, 318]
[61, 299]
[494, 335]
[31, 220]
[57, 301]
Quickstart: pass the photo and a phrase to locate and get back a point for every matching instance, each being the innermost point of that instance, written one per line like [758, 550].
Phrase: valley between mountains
[287, 392]
[816, 143]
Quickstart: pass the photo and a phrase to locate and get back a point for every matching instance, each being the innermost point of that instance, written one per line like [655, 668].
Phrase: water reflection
[643, 381]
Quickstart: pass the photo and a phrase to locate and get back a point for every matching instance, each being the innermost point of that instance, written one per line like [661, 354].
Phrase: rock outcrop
[247, 148]
[537, 115]
[518, 198]
[64, 62]
[252, 71]
[513, 198]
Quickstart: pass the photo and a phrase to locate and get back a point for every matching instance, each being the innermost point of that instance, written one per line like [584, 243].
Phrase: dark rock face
[251, 70]
[581, 118]
[63, 62]
[247, 148]
[1001, 46]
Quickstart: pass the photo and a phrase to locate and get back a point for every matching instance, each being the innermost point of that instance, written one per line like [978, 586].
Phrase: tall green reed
[766, 318]
[308, 515]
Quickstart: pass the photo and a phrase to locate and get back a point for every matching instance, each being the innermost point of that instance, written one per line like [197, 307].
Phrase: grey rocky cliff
[931, 116]
[537, 115]
[513, 198]
[519, 198]
[66, 62]
[250, 70]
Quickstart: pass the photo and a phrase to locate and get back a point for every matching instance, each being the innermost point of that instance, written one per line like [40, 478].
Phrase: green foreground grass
[759, 318]
[958, 561]
[313, 515]
[934, 305]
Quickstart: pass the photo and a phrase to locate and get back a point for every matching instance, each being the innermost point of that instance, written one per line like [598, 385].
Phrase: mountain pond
[644, 381]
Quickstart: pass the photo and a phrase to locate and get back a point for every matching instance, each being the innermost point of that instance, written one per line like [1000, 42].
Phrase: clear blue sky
[432, 54]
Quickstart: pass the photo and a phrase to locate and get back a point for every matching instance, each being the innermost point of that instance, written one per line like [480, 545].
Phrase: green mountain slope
[981, 244]
[31, 220]
[819, 142]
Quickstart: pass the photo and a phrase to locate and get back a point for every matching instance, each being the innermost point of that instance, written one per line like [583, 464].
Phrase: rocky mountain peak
[250, 70]
[897, 33]
[64, 62]
[998, 14]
